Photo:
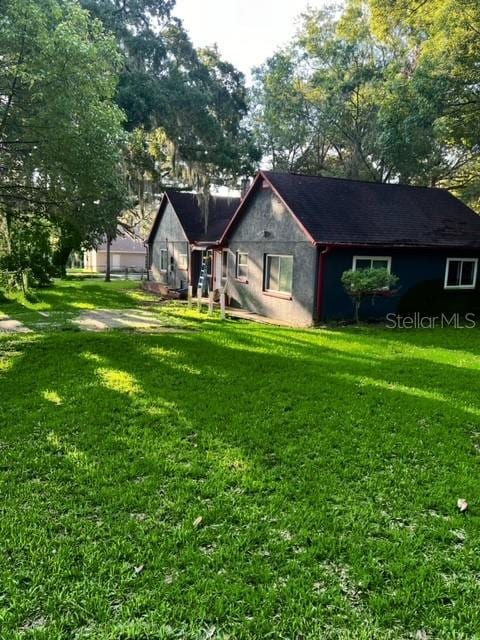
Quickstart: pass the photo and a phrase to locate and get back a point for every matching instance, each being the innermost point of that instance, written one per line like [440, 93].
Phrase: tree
[368, 283]
[345, 71]
[442, 38]
[384, 91]
[59, 127]
[192, 101]
[284, 122]
[318, 101]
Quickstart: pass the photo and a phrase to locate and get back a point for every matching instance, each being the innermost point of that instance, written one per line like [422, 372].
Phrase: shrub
[368, 283]
[28, 261]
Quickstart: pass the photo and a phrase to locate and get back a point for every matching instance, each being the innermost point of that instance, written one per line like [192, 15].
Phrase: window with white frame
[224, 264]
[461, 273]
[372, 262]
[242, 266]
[163, 260]
[182, 260]
[278, 273]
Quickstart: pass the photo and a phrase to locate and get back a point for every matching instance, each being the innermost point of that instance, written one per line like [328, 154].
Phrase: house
[293, 236]
[126, 252]
[282, 249]
[186, 235]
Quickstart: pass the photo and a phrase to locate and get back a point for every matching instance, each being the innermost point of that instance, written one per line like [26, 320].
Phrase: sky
[247, 32]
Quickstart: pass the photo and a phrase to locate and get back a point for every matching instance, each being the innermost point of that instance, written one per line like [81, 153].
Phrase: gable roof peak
[187, 206]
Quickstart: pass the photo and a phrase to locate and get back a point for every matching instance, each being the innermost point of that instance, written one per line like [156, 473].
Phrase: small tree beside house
[368, 283]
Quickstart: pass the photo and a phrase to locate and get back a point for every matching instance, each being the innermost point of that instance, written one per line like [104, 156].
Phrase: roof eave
[393, 245]
[156, 222]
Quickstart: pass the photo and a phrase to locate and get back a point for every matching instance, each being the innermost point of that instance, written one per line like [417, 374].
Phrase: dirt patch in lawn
[138, 319]
[9, 325]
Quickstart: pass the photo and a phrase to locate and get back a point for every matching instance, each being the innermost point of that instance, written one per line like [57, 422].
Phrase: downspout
[322, 256]
[212, 267]
[190, 265]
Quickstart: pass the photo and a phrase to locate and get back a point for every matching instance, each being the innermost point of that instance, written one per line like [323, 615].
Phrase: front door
[195, 268]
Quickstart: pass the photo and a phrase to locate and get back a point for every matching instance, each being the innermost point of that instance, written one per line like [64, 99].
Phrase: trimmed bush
[368, 283]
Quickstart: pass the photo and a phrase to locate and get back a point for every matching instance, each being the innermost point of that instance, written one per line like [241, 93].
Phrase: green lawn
[325, 465]
[55, 307]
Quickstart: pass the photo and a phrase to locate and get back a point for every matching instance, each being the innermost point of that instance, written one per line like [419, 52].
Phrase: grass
[325, 466]
[54, 308]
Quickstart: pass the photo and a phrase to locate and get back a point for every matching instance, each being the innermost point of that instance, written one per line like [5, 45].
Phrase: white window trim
[237, 264]
[224, 252]
[387, 258]
[461, 286]
[276, 291]
[162, 251]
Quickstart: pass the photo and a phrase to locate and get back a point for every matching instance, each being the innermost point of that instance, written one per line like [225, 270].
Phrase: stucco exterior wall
[171, 237]
[267, 227]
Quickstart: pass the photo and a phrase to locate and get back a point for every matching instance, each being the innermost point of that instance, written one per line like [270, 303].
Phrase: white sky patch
[247, 32]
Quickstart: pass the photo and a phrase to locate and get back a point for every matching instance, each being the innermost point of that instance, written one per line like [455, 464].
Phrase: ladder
[203, 280]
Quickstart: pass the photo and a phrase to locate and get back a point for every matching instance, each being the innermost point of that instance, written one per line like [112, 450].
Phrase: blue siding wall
[412, 268]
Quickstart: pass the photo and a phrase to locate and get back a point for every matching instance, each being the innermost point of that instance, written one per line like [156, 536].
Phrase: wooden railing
[222, 293]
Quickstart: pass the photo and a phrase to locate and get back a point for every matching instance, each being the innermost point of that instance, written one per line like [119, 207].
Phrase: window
[242, 266]
[224, 264]
[163, 260]
[182, 260]
[278, 274]
[461, 273]
[372, 262]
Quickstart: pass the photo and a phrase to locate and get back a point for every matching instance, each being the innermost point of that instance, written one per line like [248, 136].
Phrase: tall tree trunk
[60, 259]
[68, 242]
[107, 269]
[8, 235]
[355, 160]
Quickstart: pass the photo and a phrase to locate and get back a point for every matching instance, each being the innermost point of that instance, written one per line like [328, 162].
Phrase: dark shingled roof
[339, 211]
[188, 210]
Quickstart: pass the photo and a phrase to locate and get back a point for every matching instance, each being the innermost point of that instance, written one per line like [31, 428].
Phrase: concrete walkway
[135, 319]
[242, 314]
[9, 325]
[103, 319]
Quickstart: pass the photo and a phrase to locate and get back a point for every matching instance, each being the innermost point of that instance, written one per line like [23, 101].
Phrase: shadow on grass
[74, 296]
[325, 465]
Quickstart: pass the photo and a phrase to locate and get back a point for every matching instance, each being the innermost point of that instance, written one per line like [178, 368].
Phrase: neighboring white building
[125, 252]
